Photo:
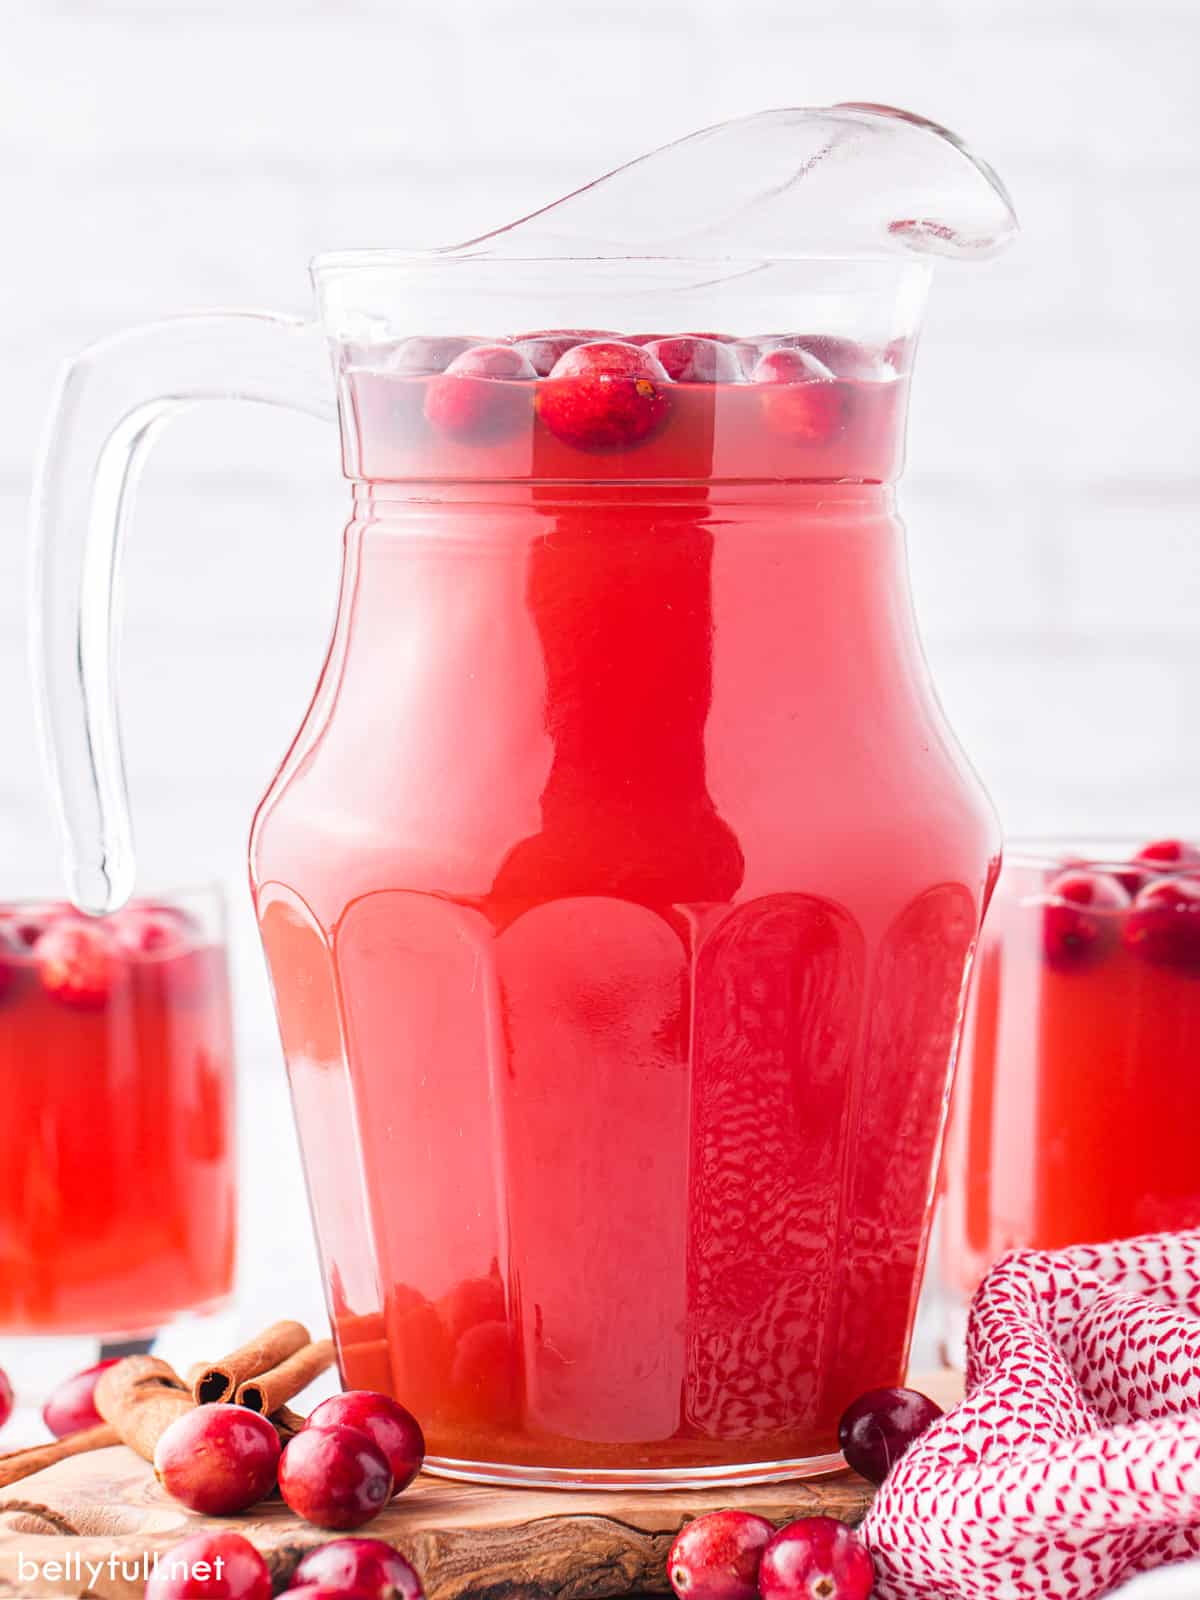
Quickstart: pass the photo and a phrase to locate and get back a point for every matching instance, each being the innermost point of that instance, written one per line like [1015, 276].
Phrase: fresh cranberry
[23, 926]
[475, 397]
[816, 1558]
[842, 358]
[717, 1556]
[210, 1566]
[1169, 855]
[1080, 921]
[1132, 879]
[544, 350]
[218, 1459]
[800, 402]
[788, 365]
[879, 1427]
[325, 1591]
[1164, 925]
[6, 1397]
[695, 360]
[78, 962]
[605, 396]
[335, 1477]
[151, 931]
[360, 1565]
[395, 1430]
[72, 1406]
[420, 356]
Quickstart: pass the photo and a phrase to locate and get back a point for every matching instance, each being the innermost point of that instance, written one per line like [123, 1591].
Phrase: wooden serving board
[464, 1539]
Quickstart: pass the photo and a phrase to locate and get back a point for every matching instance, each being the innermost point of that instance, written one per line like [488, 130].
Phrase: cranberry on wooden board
[717, 1557]
[816, 1558]
[880, 1425]
[210, 1566]
[218, 1459]
[394, 1429]
[72, 1405]
[335, 1477]
[354, 1565]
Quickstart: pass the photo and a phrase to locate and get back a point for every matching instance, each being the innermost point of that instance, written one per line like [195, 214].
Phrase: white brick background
[156, 157]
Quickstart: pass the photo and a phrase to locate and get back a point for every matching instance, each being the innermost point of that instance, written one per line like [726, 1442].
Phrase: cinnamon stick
[270, 1349]
[18, 1464]
[287, 1423]
[141, 1397]
[267, 1391]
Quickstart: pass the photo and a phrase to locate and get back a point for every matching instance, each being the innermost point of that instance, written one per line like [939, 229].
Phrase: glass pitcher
[619, 889]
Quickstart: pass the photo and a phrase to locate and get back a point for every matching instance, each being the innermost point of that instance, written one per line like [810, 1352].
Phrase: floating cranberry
[816, 1558]
[789, 365]
[879, 1427]
[144, 931]
[605, 396]
[691, 359]
[78, 962]
[1164, 925]
[1132, 879]
[1169, 855]
[395, 1430]
[210, 1566]
[420, 356]
[218, 1459]
[842, 358]
[1081, 919]
[23, 926]
[717, 1557]
[366, 1566]
[335, 1477]
[478, 396]
[544, 350]
[72, 1406]
[6, 1397]
[800, 401]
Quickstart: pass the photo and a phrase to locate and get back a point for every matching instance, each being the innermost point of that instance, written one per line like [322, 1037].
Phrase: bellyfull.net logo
[78, 1569]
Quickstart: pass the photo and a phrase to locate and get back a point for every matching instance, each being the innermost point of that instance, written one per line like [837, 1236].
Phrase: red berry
[360, 1565]
[218, 1459]
[24, 925]
[694, 360]
[419, 356]
[1164, 925]
[544, 350]
[1169, 855]
[816, 1558]
[1081, 919]
[717, 1556]
[475, 398]
[324, 1591]
[789, 365]
[335, 1477]
[843, 358]
[6, 1397]
[72, 1406]
[1131, 879]
[78, 962]
[210, 1566]
[604, 396]
[395, 1430]
[879, 1427]
[149, 932]
[800, 402]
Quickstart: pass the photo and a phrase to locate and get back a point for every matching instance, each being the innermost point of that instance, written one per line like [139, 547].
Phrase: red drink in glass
[116, 1144]
[1077, 1100]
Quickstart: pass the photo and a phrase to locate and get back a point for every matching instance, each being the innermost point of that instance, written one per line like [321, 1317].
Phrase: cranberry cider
[1080, 1051]
[618, 896]
[116, 1142]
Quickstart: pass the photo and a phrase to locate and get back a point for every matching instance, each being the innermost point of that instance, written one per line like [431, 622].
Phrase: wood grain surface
[465, 1539]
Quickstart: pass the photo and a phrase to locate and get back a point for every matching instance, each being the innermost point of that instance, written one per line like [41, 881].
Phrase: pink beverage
[1077, 1102]
[620, 886]
[117, 1186]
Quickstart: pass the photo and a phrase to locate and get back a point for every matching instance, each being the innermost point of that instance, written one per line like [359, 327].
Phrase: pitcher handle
[110, 403]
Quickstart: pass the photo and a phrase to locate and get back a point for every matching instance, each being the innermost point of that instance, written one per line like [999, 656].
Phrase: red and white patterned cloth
[1074, 1461]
